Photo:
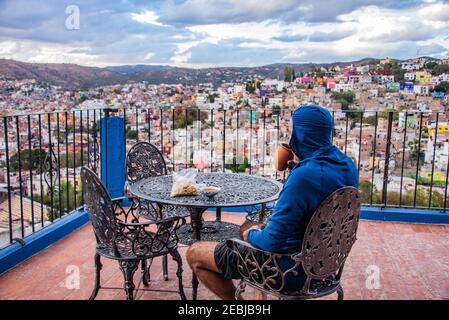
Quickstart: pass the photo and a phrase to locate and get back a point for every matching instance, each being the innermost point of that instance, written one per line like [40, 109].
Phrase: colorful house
[423, 77]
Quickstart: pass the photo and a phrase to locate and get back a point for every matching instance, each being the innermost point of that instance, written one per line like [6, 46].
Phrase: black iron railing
[402, 157]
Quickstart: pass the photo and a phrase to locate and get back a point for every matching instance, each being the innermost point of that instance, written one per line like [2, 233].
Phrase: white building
[409, 76]
[421, 89]
[410, 65]
[344, 87]
[363, 69]
[441, 153]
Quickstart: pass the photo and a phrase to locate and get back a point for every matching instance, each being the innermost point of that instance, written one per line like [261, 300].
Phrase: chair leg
[129, 269]
[178, 259]
[240, 289]
[340, 293]
[149, 263]
[98, 267]
[145, 273]
[165, 267]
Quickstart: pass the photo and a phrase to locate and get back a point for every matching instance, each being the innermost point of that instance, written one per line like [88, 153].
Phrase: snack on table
[184, 188]
[211, 189]
[184, 183]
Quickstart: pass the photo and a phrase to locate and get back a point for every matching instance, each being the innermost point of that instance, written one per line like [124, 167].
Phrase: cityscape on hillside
[235, 126]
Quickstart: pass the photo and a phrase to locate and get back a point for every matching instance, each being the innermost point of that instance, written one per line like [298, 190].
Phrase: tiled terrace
[412, 259]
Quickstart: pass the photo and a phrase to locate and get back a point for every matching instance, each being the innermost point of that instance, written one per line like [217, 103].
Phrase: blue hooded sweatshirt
[322, 169]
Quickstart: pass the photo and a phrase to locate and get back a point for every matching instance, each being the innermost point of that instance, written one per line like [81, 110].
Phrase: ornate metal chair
[120, 236]
[327, 242]
[144, 160]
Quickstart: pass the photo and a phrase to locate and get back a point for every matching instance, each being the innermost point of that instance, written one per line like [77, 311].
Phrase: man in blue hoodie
[321, 170]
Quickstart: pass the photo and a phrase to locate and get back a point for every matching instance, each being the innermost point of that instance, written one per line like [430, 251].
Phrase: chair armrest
[121, 198]
[260, 268]
[230, 243]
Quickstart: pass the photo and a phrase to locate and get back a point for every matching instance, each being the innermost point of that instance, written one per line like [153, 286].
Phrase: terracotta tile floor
[412, 261]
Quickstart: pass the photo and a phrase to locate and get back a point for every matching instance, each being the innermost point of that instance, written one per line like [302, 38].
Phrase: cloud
[149, 55]
[203, 12]
[222, 32]
[147, 16]
[331, 35]
[291, 37]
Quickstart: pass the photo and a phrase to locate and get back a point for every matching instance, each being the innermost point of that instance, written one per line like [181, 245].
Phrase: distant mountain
[69, 76]
[131, 69]
[72, 76]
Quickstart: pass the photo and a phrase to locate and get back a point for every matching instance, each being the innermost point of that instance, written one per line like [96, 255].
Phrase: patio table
[237, 190]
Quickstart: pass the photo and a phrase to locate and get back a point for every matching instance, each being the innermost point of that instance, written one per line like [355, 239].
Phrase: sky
[212, 33]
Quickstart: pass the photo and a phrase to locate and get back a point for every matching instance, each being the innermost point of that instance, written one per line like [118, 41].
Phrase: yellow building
[441, 128]
[423, 77]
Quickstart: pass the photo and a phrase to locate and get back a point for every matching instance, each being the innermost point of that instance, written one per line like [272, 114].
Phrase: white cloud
[147, 16]
[32, 51]
[435, 12]
[182, 54]
[149, 55]
[261, 31]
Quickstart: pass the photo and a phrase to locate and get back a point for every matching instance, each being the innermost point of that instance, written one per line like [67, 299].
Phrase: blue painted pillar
[113, 154]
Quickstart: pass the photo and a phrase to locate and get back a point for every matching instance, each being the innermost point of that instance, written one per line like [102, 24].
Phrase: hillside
[72, 76]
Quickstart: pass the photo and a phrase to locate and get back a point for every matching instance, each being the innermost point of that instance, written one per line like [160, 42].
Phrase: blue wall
[113, 154]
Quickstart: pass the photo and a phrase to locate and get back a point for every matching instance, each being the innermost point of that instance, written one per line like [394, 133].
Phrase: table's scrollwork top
[236, 190]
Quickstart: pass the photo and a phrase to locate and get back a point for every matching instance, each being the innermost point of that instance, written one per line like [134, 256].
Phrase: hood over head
[312, 130]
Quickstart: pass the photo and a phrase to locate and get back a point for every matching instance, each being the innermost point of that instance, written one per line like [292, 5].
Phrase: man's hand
[292, 163]
[245, 233]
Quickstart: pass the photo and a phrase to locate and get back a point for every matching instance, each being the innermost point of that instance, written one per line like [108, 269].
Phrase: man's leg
[200, 257]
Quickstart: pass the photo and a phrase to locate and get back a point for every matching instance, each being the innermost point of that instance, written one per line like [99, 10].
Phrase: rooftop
[411, 259]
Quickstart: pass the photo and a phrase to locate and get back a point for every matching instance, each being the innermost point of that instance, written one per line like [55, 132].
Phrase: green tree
[344, 98]
[440, 69]
[395, 69]
[431, 64]
[442, 87]
[68, 160]
[212, 97]
[63, 199]
[414, 146]
[131, 134]
[250, 88]
[289, 74]
[236, 166]
[370, 120]
[192, 115]
[365, 192]
[36, 156]
[348, 96]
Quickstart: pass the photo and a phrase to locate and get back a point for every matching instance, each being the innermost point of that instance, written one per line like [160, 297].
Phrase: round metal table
[237, 190]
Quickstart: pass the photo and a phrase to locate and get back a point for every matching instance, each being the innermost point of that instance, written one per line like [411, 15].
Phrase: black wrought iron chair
[120, 236]
[327, 242]
[144, 160]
